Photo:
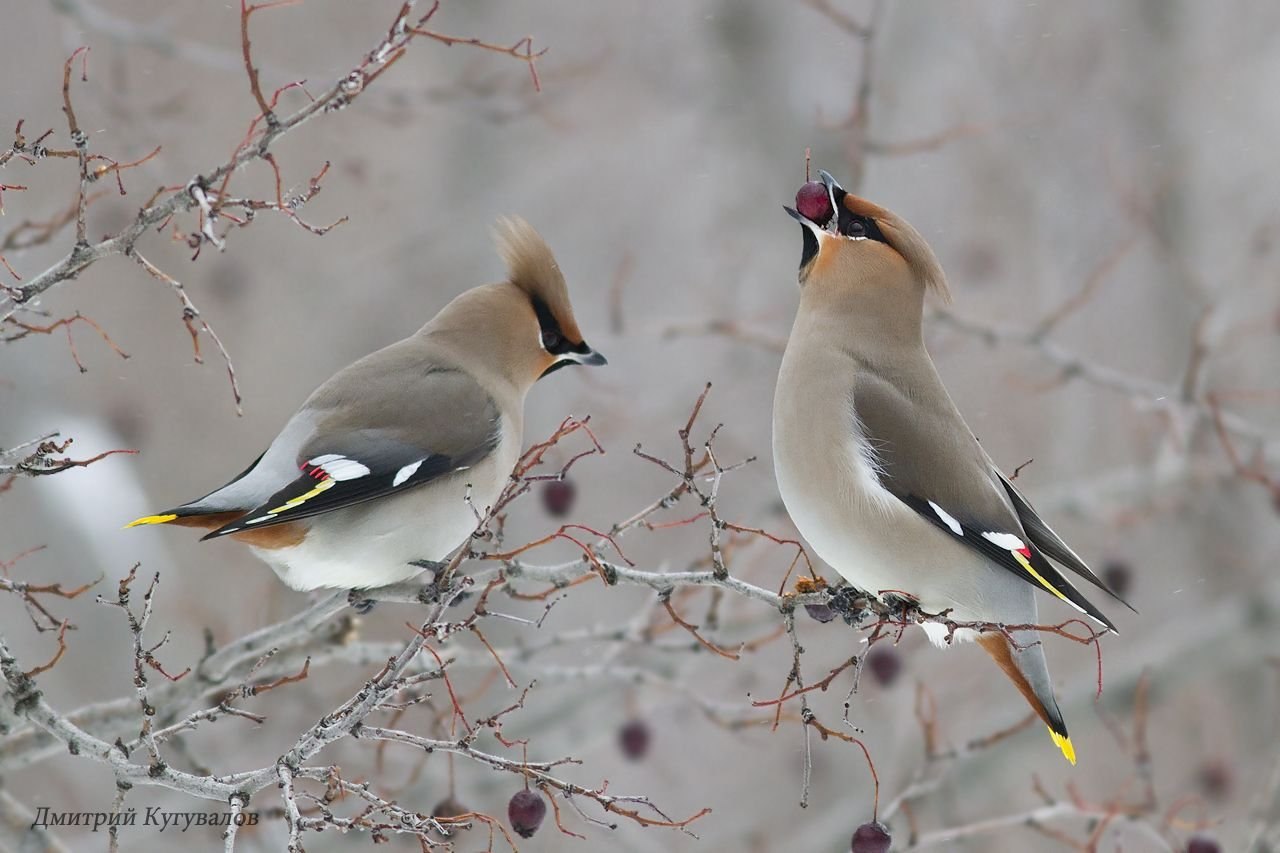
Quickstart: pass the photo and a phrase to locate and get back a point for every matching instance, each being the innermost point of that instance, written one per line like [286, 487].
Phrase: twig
[181, 199]
[42, 460]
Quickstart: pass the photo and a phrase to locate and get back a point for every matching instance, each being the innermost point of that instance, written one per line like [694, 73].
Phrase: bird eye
[855, 228]
[551, 340]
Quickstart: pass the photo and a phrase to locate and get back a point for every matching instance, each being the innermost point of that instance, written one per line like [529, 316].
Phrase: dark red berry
[557, 497]
[820, 612]
[449, 807]
[1215, 778]
[871, 837]
[634, 737]
[885, 664]
[1203, 844]
[526, 811]
[814, 202]
[1118, 576]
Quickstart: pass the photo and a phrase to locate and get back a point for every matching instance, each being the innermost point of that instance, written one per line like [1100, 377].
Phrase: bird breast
[830, 483]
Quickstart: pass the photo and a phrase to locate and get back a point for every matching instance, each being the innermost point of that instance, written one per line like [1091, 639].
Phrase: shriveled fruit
[884, 663]
[449, 807]
[526, 811]
[557, 497]
[820, 612]
[634, 738]
[1118, 576]
[872, 837]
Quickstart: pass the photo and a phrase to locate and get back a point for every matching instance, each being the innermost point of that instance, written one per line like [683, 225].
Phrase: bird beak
[816, 228]
[797, 216]
[815, 232]
[836, 193]
[590, 358]
[812, 233]
[586, 355]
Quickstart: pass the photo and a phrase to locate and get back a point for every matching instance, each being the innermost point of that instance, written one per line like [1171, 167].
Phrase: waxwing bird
[383, 469]
[878, 469]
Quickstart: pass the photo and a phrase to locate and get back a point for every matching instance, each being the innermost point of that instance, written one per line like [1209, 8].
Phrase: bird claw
[430, 591]
[359, 601]
[902, 608]
[851, 604]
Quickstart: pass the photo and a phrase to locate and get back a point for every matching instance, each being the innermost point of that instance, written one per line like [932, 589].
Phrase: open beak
[836, 194]
[799, 217]
[814, 231]
[816, 228]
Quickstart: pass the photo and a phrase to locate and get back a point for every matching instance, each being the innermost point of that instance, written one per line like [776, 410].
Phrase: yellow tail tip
[150, 519]
[1063, 743]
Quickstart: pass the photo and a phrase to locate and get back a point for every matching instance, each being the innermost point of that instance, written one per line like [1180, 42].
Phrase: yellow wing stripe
[150, 519]
[1063, 743]
[322, 486]
[1026, 564]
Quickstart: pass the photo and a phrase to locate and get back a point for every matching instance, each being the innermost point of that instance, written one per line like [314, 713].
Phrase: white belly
[849, 530]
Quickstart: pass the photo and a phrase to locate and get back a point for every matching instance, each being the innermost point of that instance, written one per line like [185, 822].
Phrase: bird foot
[359, 601]
[852, 604]
[430, 591]
[902, 608]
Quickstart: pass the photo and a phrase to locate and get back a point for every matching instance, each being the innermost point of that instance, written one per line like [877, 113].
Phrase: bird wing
[1044, 538]
[381, 430]
[926, 456]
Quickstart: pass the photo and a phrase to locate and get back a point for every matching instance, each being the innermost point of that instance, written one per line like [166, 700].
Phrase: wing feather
[410, 427]
[1009, 550]
[929, 460]
[1051, 543]
[310, 496]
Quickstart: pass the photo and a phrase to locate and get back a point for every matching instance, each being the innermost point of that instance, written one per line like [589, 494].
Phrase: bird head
[521, 329]
[533, 269]
[852, 245]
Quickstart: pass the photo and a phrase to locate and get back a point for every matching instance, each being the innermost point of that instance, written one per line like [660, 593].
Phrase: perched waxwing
[384, 468]
[878, 469]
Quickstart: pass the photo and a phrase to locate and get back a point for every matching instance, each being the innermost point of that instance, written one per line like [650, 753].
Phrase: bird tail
[186, 517]
[1022, 660]
[159, 518]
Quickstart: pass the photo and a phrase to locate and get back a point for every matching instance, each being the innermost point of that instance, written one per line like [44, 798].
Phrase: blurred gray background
[1028, 142]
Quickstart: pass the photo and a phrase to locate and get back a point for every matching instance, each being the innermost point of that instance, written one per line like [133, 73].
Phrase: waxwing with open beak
[878, 469]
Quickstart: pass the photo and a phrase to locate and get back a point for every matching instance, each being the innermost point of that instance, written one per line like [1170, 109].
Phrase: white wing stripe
[948, 519]
[328, 457]
[340, 467]
[406, 472]
[1007, 541]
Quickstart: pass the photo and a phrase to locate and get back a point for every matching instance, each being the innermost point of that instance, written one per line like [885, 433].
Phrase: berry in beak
[813, 202]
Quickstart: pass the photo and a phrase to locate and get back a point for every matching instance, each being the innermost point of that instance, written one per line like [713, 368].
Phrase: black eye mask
[553, 340]
[853, 225]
